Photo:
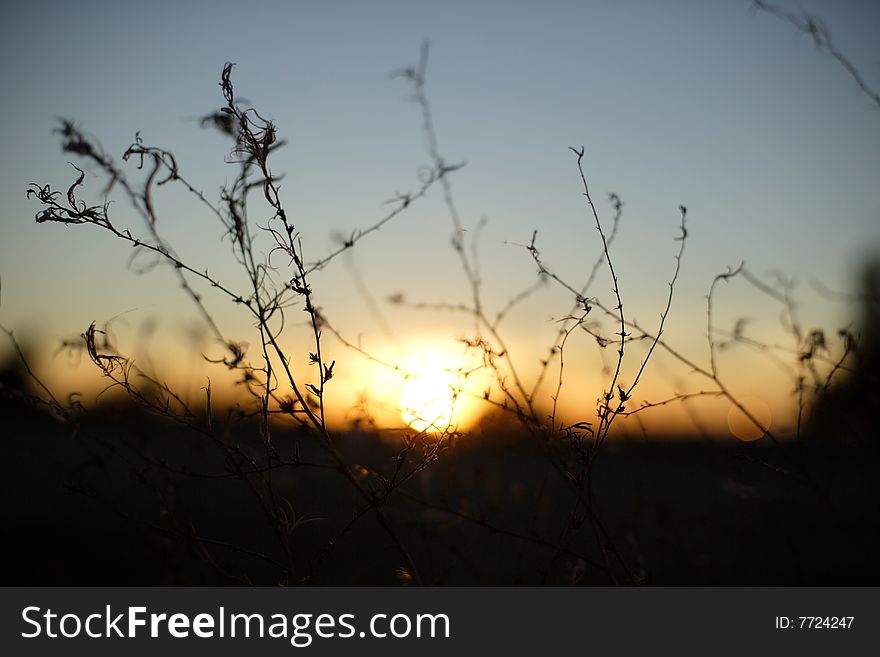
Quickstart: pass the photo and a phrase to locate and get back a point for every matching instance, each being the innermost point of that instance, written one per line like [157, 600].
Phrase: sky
[768, 142]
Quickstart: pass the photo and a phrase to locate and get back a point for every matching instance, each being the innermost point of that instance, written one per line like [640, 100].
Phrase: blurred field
[121, 500]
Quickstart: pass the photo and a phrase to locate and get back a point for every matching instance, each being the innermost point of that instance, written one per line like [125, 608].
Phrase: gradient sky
[770, 145]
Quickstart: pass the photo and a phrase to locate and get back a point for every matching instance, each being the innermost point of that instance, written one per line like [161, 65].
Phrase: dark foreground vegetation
[127, 498]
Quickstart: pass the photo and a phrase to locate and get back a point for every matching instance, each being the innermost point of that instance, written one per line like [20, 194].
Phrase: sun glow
[430, 400]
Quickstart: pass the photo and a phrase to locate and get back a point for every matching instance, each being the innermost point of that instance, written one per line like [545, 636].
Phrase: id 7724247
[814, 622]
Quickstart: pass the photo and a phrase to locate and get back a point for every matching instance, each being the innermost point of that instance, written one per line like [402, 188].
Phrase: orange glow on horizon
[432, 385]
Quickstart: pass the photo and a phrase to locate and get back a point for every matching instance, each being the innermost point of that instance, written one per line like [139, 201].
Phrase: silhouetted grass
[160, 489]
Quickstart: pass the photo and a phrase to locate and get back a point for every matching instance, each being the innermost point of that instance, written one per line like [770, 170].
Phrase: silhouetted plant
[270, 379]
[571, 447]
[818, 32]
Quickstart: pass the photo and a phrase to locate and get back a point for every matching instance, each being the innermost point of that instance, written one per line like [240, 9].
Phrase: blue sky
[769, 144]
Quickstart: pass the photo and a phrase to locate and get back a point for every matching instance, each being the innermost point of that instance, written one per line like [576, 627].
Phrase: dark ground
[109, 504]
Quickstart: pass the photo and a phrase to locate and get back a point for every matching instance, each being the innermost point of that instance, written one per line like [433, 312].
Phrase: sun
[429, 400]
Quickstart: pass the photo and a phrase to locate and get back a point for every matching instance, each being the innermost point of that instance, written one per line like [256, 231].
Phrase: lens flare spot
[742, 426]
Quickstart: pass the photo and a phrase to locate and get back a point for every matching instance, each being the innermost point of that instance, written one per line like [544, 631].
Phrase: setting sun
[429, 398]
[431, 395]
[428, 404]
